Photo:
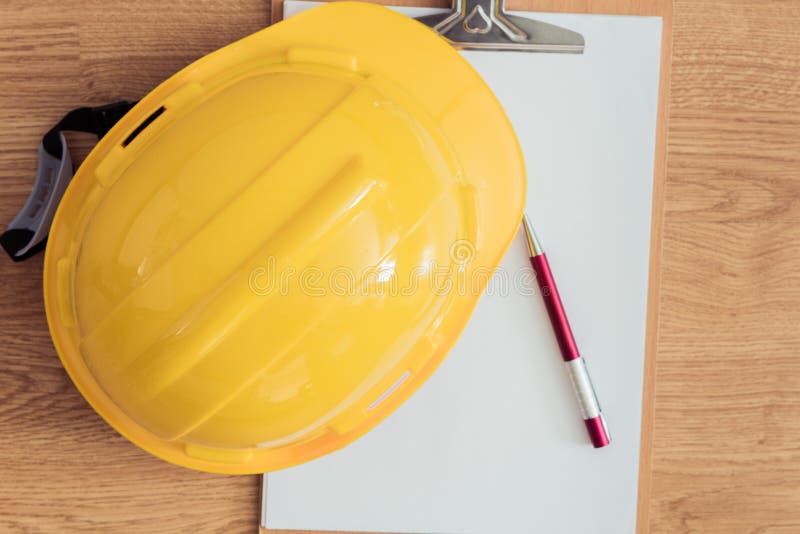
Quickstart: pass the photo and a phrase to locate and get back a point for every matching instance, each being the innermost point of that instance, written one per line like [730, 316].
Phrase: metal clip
[484, 25]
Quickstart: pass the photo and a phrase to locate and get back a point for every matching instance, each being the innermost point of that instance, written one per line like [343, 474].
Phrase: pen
[578, 374]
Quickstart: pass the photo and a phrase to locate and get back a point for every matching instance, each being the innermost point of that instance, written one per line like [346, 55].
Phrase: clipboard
[654, 8]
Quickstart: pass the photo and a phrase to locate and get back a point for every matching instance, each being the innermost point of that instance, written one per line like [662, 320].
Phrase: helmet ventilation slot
[391, 389]
[144, 124]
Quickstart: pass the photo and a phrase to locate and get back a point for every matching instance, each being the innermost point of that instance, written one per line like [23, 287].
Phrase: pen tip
[534, 247]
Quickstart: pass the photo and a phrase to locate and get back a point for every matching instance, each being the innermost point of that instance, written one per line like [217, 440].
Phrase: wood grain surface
[62, 469]
[726, 421]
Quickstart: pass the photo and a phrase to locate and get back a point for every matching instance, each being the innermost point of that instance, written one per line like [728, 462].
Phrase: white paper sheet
[493, 442]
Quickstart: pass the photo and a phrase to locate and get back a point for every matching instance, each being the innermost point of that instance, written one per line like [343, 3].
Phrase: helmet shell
[281, 242]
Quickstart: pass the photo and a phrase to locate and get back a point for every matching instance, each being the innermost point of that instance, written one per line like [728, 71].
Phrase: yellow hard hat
[273, 249]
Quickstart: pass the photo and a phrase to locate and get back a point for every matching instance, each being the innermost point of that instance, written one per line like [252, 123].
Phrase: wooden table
[726, 427]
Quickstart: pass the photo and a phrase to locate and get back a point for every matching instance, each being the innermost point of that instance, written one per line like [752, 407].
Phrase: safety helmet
[274, 248]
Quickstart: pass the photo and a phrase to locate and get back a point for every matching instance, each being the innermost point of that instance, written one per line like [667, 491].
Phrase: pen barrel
[578, 374]
[552, 301]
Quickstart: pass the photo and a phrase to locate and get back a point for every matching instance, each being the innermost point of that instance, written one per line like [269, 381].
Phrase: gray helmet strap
[27, 232]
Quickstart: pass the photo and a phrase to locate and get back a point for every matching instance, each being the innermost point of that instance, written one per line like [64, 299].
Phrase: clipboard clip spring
[484, 25]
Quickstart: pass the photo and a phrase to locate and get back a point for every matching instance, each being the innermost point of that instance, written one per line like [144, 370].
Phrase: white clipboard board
[493, 441]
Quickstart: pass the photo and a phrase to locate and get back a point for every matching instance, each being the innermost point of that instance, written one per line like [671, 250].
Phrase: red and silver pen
[579, 376]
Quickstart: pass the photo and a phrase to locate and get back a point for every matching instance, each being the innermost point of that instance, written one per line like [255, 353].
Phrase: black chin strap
[27, 233]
